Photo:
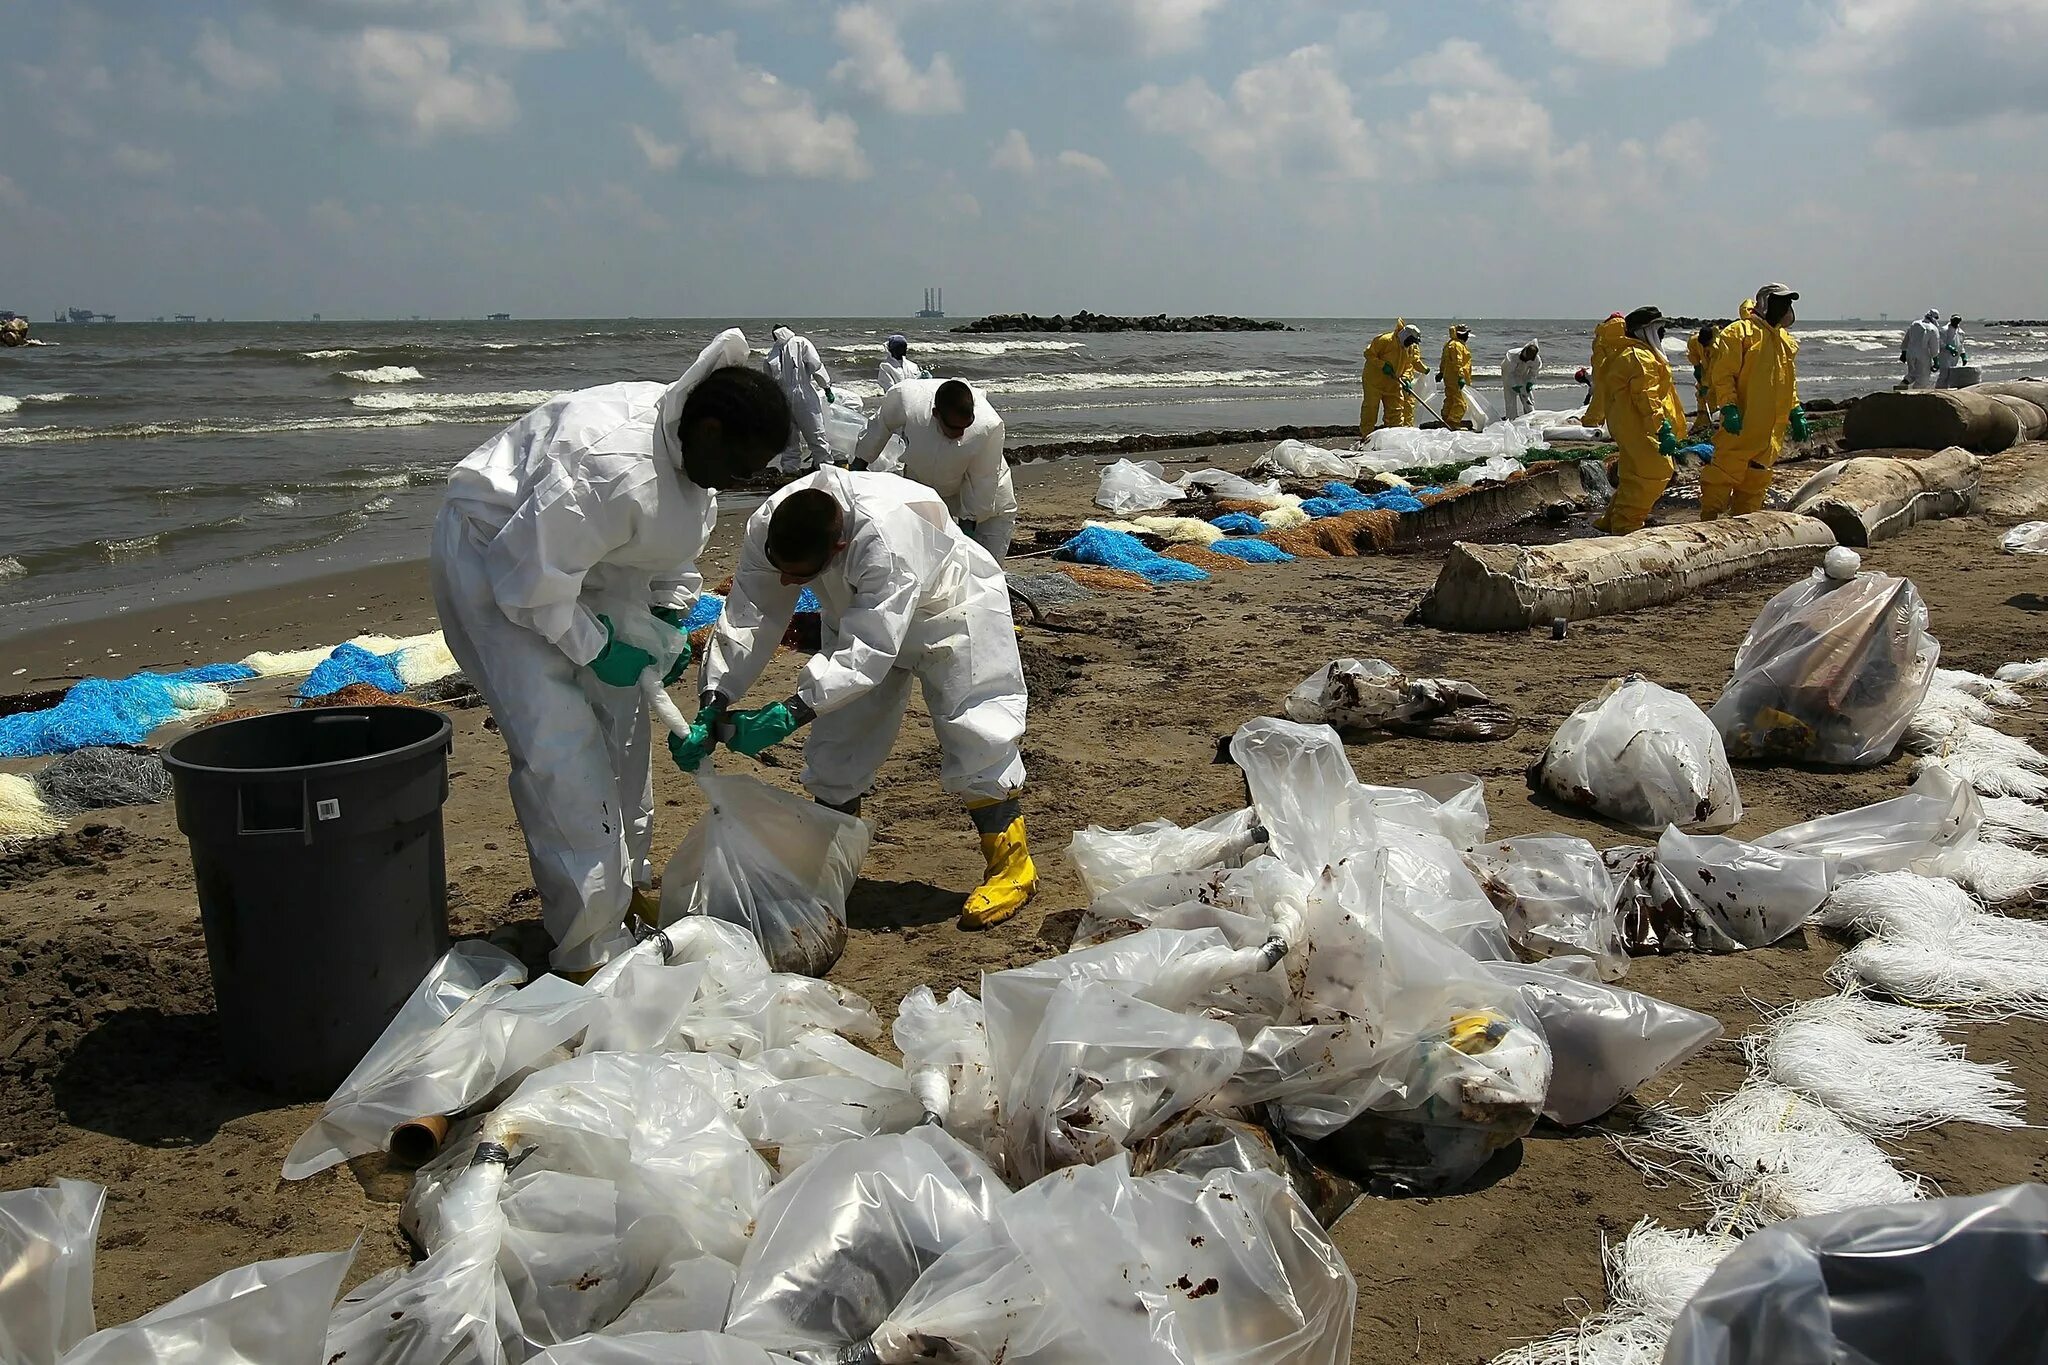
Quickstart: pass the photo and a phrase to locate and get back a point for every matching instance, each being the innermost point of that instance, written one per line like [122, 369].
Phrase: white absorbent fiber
[1932, 943]
[23, 812]
[286, 663]
[1992, 763]
[1284, 518]
[1180, 530]
[2010, 820]
[1770, 1153]
[198, 699]
[2000, 873]
[1651, 1274]
[1992, 691]
[2025, 674]
[426, 661]
[1885, 1069]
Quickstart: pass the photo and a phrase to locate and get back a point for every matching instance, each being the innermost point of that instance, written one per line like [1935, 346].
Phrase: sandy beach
[110, 1068]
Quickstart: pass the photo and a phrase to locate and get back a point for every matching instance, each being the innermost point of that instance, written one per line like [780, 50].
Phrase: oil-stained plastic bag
[777, 864]
[1225, 484]
[1355, 696]
[48, 1237]
[842, 1241]
[1934, 1282]
[1557, 898]
[659, 1348]
[825, 1091]
[1831, 672]
[1091, 1266]
[946, 1058]
[1645, 756]
[1918, 832]
[1604, 1041]
[1136, 486]
[1310, 803]
[1199, 1144]
[464, 1031]
[1711, 894]
[1427, 878]
[1108, 858]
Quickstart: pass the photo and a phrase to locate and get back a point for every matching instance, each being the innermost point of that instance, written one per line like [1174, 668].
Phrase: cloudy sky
[274, 158]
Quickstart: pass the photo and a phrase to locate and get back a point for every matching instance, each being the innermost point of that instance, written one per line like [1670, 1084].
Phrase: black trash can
[316, 842]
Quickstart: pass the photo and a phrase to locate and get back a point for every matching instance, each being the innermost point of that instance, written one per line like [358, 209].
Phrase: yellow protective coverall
[1698, 355]
[1754, 369]
[1456, 368]
[1607, 338]
[1642, 399]
[1387, 363]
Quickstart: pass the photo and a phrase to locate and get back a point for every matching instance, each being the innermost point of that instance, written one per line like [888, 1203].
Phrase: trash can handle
[302, 827]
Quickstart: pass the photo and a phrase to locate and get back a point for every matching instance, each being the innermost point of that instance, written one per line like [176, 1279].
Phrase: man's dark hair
[804, 530]
[750, 408]
[955, 400]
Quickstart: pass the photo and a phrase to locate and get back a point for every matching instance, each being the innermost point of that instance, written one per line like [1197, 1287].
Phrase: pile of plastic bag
[1129, 486]
[1831, 671]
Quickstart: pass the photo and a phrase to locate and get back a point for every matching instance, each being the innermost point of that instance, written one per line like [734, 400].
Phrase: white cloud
[1145, 28]
[1476, 119]
[235, 68]
[662, 156]
[876, 65]
[1291, 115]
[411, 80]
[1093, 167]
[745, 117]
[1014, 154]
[140, 162]
[1920, 64]
[1361, 30]
[1626, 33]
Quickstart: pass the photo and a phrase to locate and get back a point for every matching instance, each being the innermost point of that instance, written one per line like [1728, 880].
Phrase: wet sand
[110, 1071]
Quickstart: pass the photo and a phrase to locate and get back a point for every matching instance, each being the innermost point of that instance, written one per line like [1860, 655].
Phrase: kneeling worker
[598, 501]
[1643, 416]
[904, 595]
[953, 445]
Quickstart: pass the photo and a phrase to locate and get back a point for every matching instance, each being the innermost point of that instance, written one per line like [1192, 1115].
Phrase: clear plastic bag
[1830, 672]
[1711, 894]
[1427, 877]
[778, 864]
[1305, 461]
[840, 1242]
[1557, 898]
[48, 1237]
[844, 422]
[1094, 1267]
[1921, 831]
[2028, 538]
[1223, 484]
[1308, 800]
[1358, 696]
[1136, 486]
[1108, 858]
[1932, 1282]
[1604, 1041]
[1645, 756]
[254, 1315]
[659, 1348]
[464, 1031]
[946, 1057]
[824, 1091]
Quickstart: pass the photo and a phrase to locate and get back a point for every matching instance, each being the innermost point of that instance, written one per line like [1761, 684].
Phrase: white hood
[727, 348]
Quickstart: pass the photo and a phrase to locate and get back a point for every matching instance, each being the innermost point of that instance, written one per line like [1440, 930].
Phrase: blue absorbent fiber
[214, 673]
[1700, 449]
[710, 606]
[1344, 492]
[1109, 549]
[96, 711]
[1253, 551]
[807, 601]
[1327, 507]
[352, 664]
[1395, 500]
[1238, 524]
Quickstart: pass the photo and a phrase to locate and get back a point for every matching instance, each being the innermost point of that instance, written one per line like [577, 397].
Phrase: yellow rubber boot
[1011, 878]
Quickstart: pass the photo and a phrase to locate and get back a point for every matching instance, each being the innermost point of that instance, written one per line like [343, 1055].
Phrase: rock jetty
[1085, 321]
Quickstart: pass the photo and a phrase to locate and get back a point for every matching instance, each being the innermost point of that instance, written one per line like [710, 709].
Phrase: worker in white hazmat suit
[953, 445]
[1921, 349]
[897, 366]
[1518, 371]
[793, 363]
[1954, 357]
[903, 595]
[560, 539]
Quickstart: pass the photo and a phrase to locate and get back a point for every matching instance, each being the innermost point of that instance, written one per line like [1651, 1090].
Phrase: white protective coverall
[970, 473]
[893, 372]
[1922, 348]
[909, 597]
[794, 363]
[1954, 355]
[579, 507]
[1518, 383]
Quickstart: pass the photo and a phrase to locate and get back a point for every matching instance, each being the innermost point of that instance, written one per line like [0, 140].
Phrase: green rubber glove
[1731, 420]
[1667, 440]
[690, 753]
[619, 664]
[753, 731]
[1798, 427]
[1388, 371]
[830, 397]
[672, 616]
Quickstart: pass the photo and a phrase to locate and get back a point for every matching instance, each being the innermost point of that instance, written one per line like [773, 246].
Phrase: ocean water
[139, 462]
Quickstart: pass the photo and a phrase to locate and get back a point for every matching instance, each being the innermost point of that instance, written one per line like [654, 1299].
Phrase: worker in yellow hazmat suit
[1698, 347]
[1455, 369]
[1606, 337]
[1754, 374]
[1643, 416]
[1392, 356]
